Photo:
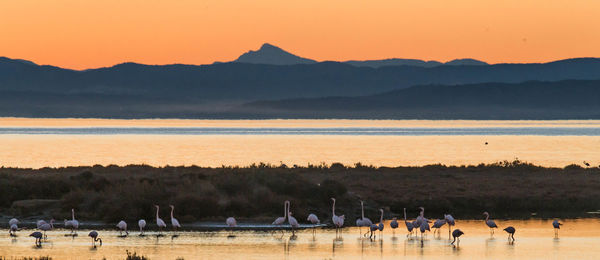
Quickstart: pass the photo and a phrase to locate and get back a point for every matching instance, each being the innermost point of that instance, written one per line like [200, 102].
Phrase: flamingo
[380, 226]
[490, 223]
[394, 226]
[511, 233]
[13, 230]
[424, 227]
[13, 224]
[13, 221]
[456, 234]
[74, 222]
[159, 222]
[38, 238]
[421, 218]
[142, 225]
[122, 225]
[174, 221]
[409, 225]
[230, 221]
[280, 220]
[313, 219]
[450, 220]
[338, 221]
[556, 226]
[293, 222]
[437, 224]
[362, 221]
[39, 223]
[47, 226]
[95, 238]
[373, 228]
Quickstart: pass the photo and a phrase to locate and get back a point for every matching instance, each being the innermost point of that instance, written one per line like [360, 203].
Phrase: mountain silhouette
[137, 90]
[273, 55]
[270, 54]
[570, 99]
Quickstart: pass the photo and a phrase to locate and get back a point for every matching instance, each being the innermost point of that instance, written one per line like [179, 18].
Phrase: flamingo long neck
[285, 209]
[333, 208]
[362, 210]
[487, 216]
[381, 218]
[73, 214]
[422, 214]
[157, 213]
[287, 212]
[404, 214]
[172, 208]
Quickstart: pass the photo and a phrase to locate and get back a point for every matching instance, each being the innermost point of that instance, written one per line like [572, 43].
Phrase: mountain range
[273, 55]
[252, 86]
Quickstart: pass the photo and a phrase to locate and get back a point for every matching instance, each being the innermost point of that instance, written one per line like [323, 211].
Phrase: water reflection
[536, 241]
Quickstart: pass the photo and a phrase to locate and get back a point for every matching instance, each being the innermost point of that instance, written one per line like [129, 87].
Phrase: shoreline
[510, 190]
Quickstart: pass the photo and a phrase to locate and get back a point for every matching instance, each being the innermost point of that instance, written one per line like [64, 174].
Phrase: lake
[578, 239]
[39, 143]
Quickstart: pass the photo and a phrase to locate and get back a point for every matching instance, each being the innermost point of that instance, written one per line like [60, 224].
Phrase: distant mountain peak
[271, 54]
[469, 62]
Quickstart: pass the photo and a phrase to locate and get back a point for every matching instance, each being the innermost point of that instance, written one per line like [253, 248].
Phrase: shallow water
[39, 143]
[578, 239]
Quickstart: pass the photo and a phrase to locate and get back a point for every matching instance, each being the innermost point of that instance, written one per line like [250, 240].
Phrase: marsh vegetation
[111, 193]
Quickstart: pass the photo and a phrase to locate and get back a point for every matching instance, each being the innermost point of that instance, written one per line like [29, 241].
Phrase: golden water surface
[41, 150]
[578, 239]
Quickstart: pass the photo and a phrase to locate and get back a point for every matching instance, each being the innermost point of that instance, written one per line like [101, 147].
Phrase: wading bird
[40, 222]
[556, 226]
[174, 223]
[13, 221]
[122, 225]
[38, 238]
[142, 225]
[338, 221]
[47, 227]
[450, 220]
[13, 224]
[490, 223]
[362, 221]
[13, 230]
[95, 238]
[409, 225]
[280, 220]
[511, 233]
[421, 219]
[380, 225]
[437, 224]
[424, 227]
[159, 222]
[372, 229]
[293, 222]
[456, 235]
[313, 219]
[74, 224]
[230, 221]
[394, 226]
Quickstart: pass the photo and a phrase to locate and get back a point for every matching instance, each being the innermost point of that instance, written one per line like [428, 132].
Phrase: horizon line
[316, 61]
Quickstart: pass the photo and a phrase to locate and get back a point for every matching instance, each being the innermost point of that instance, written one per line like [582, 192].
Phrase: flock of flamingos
[420, 224]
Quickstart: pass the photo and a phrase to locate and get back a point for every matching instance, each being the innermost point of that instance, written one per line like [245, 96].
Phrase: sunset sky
[88, 34]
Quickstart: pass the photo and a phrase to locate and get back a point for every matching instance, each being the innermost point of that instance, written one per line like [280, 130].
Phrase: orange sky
[94, 33]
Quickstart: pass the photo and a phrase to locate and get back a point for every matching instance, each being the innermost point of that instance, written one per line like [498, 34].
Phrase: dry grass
[111, 193]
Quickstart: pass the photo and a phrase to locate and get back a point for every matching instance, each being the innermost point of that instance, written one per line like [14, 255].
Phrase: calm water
[534, 240]
[71, 142]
